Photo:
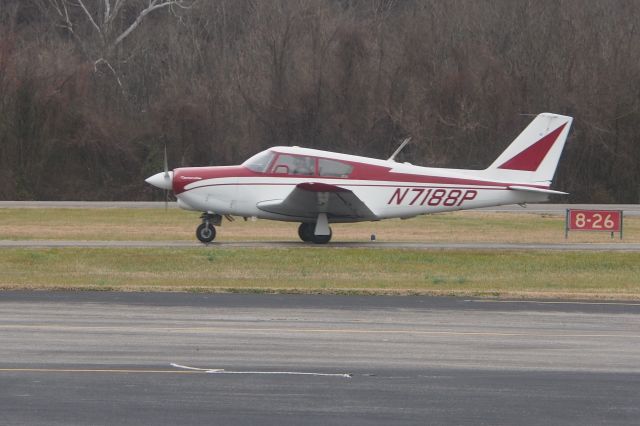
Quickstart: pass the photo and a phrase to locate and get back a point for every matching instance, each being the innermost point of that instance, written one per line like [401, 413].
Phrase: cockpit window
[295, 165]
[332, 168]
[259, 162]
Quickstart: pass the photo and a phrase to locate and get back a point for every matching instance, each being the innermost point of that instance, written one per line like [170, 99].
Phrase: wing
[309, 199]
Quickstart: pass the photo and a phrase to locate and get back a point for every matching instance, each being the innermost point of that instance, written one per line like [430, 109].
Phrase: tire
[322, 239]
[206, 232]
[305, 232]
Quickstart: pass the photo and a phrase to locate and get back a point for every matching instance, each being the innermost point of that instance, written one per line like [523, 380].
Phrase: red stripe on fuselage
[188, 175]
[361, 172]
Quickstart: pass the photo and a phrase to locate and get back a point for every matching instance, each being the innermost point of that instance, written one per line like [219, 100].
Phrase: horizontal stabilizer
[537, 190]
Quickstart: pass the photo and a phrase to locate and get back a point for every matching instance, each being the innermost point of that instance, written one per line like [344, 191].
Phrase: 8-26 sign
[594, 220]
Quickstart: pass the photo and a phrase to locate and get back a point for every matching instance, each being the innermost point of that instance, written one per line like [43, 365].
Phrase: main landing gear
[306, 234]
[206, 231]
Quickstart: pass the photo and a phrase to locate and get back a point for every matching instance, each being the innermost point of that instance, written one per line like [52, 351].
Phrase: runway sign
[593, 220]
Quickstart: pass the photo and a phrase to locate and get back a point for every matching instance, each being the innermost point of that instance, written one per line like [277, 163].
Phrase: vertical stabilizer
[533, 156]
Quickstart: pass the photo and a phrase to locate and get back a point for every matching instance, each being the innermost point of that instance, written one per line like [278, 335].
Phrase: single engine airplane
[317, 188]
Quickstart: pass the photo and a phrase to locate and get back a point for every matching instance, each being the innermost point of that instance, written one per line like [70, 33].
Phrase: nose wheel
[206, 231]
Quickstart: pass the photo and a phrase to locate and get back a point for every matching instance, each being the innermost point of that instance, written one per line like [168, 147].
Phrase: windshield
[259, 162]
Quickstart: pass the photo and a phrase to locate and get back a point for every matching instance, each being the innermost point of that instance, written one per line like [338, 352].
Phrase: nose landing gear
[206, 231]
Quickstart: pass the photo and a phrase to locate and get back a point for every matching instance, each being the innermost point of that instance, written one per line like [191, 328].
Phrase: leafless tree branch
[153, 5]
[88, 14]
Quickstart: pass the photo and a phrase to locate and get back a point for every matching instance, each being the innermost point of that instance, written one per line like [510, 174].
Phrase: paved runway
[106, 358]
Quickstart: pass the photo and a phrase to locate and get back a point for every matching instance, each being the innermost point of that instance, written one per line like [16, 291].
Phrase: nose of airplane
[162, 180]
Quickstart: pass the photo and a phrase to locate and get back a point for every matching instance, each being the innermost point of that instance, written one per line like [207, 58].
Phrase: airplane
[317, 188]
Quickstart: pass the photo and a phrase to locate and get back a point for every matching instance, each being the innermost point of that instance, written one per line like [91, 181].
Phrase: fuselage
[389, 189]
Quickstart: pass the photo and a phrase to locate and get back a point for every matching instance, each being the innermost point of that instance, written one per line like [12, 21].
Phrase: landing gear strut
[306, 234]
[206, 231]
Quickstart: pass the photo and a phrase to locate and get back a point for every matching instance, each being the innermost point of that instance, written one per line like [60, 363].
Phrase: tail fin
[533, 156]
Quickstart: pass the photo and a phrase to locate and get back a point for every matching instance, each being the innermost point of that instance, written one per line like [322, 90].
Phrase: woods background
[91, 90]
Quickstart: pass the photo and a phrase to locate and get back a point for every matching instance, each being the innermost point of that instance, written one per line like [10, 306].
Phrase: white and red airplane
[317, 188]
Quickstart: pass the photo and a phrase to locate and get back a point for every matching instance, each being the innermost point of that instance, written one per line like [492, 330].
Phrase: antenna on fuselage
[397, 151]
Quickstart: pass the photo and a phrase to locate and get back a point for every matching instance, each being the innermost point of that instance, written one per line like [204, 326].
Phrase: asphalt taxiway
[175, 358]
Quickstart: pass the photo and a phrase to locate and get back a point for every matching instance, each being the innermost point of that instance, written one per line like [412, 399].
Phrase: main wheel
[206, 232]
[322, 239]
[305, 231]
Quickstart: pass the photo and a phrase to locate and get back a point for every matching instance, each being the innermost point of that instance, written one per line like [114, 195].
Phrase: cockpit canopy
[259, 162]
[297, 165]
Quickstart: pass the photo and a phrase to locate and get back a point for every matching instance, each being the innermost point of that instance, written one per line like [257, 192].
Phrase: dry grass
[315, 269]
[395, 271]
[155, 225]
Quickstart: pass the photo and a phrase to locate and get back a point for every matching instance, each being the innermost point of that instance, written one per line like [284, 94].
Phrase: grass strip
[178, 225]
[583, 275]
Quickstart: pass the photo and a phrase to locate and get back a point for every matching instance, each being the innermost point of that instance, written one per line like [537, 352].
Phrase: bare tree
[104, 19]
[219, 80]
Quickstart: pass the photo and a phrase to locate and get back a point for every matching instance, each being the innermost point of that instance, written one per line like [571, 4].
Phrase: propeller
[163, 180]
[166, 177]
[166, 163]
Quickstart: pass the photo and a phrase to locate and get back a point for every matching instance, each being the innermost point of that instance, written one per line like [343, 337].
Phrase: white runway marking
[265, 330]
[289, 373]
[550, 302]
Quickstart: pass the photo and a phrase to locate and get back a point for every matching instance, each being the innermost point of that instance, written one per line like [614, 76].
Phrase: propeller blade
[163, 180]
[166, 163]
[166, 200]
[166, 176]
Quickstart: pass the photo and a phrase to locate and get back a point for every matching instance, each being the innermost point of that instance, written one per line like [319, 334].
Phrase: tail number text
[431, 196]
